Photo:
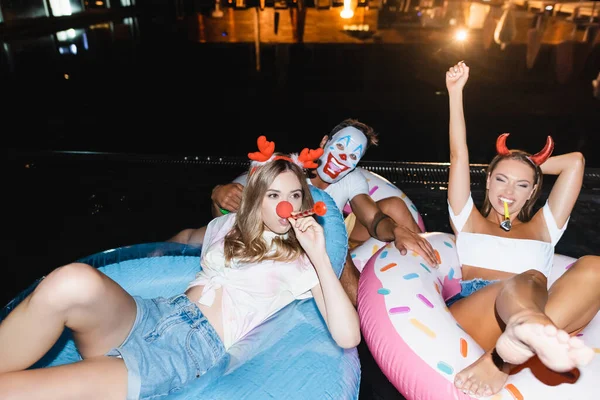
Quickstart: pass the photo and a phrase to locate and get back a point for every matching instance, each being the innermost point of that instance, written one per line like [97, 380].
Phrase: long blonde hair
[245, 241]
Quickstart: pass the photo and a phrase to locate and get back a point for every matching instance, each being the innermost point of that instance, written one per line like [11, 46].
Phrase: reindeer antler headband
[537, 159]
[266, 150]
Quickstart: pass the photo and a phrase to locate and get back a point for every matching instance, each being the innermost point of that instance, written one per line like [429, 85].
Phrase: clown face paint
[342, 153]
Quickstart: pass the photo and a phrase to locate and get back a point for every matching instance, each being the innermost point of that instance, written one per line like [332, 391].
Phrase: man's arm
[228, 197]
[383, 227]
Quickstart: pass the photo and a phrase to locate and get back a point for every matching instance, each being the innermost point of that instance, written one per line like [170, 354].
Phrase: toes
[582, 356]
[562, 336]
[488, 391]
[474, 389]
[576, 343]
[550, 330]
[466, 386]
[481, 391]
[471, 386]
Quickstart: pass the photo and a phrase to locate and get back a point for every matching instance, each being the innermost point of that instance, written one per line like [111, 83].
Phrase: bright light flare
[461, 35]
[347, 12]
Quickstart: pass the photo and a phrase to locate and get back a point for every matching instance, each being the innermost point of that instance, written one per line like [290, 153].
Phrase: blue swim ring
[291, 355]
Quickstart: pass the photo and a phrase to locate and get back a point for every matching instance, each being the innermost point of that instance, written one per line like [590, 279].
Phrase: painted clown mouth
[333, 167]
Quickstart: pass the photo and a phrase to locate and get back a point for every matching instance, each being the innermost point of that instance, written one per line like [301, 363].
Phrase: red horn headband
[265, 150]
[538, 158]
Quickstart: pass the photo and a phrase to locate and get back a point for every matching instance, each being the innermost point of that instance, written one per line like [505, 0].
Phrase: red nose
[284, 209]
[343, 156]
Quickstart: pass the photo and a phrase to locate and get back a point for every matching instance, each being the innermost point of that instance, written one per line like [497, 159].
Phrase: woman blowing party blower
[254, 263]
[506, 251]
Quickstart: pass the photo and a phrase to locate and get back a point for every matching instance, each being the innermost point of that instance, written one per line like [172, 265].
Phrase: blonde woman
[254, 263]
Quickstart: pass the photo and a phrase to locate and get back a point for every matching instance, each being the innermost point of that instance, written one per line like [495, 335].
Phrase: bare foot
[531, 333]
[485, 377]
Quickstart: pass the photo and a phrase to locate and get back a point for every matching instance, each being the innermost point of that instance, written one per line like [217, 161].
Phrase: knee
[71, 284]
[536, 276]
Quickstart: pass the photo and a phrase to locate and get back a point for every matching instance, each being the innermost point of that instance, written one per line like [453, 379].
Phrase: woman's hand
[310, 235]
[457, 76]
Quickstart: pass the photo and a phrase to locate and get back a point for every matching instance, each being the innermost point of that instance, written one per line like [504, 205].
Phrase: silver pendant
[506, 225]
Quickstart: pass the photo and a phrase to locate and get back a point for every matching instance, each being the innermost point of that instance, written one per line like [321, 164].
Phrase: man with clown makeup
[387, 220]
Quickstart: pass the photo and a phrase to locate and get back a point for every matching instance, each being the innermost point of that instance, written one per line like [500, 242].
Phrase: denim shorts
[467, 288]
[170, 344]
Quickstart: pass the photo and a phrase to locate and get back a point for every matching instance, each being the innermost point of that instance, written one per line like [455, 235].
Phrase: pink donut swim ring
[419, 346]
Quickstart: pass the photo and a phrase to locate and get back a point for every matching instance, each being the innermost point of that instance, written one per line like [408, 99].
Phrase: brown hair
[372, 139]
[245, 241]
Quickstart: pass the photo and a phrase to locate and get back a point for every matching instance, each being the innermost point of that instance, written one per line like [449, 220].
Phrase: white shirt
[251, 291]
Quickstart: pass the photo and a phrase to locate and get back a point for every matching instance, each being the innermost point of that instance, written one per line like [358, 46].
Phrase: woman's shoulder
[222, 222]
[537, 228]
[218, 228]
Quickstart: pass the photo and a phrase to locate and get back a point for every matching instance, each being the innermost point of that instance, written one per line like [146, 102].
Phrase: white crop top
[251, 291]
[505, 254]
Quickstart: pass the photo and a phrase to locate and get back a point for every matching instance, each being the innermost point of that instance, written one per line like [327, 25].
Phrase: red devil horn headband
[538, 158]
[266, 149]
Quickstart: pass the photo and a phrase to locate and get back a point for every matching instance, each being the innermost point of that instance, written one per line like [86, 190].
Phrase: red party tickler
[284, 210]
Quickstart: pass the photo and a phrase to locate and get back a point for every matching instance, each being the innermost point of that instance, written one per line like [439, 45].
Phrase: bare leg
[349, 280]
[99, 312]
[574, 300]
[396, 208]
[97, 378]
[512, 297]
[476, 316]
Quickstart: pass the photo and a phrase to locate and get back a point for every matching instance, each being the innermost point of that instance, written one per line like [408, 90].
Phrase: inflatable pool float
[291, 355]
[380, 188]
[419, 346]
